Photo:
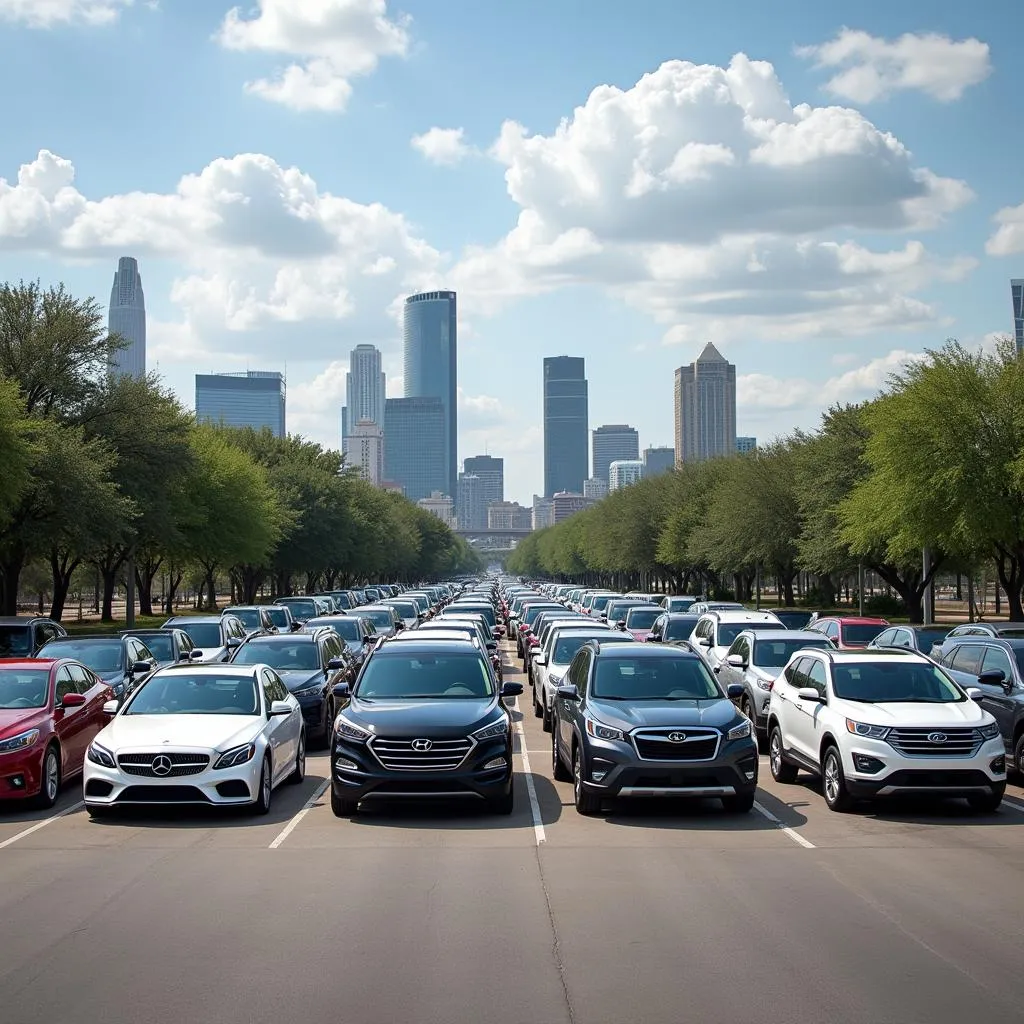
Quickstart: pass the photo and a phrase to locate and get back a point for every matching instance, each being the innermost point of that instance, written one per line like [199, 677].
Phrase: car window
[798, 673]
[65, 684]
[83, 679]
[967, 658]
[885, 637]
[816, 677]
[681, 678]
[997, 660]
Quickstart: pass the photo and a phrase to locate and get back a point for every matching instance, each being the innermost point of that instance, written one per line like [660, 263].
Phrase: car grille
[181, 764]
[697, 744]
[399, 755]
[162, 795]
[916, 742]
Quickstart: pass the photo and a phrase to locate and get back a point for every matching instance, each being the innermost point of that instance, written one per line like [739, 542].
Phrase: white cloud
[48, 13]
[872, 68]
[330, 41]
[1009, 236]
[443, 146]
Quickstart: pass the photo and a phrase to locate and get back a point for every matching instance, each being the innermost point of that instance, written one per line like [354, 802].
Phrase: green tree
[15, 450]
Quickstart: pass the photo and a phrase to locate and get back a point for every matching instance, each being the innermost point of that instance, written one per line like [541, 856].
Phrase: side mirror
[620, 624]
[975, 694]
[511, 689]
[994, 677]
[368, 639]
[399, 626]
[341, 690]
[280, 709]
[296, 626]
[184, 656]
[811, 694]
[111, 706]
[704, 641]
[734, 691]
[540, 659]
[232, 643]
[335, 664]
[72, 700]
[195, 655]
[492, 645]
[736, 660]
[142, 667]
[652, 638]
[568, 692]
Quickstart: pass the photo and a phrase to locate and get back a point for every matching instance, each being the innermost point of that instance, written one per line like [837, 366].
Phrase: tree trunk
[109, 565]
[146, 569]
[911, 586]
[174, 578]
[10, 577]
[1010, 567]
[210, 582]
[248, 579]
[62, 565]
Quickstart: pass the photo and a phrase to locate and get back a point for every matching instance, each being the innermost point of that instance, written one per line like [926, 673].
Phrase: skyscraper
[565, 425]
[594, 488]
[414, 456]
[623, 472]
[366, 450]
[364, 390]
[705, 400]
[492, 476]
[659, 460]
[127, 317]
[431, 367]
[612, 442]
[471, 509]
[1017, 294]
[745, 445]
[254, 398]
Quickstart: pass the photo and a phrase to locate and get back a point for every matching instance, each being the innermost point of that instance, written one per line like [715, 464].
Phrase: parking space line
[792, 833]
[1010, 801]
[41, 824]
[306, 807]
[538, 822]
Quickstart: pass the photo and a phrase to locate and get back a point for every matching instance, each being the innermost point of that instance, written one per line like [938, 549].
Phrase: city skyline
[253, 398]
[126, 316]
[705, 407]
[365, 389]
[609, 443]
[566, 425]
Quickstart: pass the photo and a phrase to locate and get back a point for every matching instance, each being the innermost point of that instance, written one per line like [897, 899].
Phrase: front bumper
[21, 772]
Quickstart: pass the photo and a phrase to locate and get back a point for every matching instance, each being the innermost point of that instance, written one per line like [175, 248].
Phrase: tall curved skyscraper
[431, 365]
[127, 317]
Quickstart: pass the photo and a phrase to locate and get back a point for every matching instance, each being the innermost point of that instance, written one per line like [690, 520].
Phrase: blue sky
[823, 208]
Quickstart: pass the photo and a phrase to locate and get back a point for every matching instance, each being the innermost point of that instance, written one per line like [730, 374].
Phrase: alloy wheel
[830, 772]
[775, 753]
[52, 779]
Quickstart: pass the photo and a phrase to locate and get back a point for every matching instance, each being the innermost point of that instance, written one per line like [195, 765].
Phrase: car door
[786, 699]
[279, 730]
[808, 723]
[96, 693]
[1002, 705]
[72, 725]
[568, 710]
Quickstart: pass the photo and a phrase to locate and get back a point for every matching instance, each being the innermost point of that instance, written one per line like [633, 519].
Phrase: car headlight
[490, 732]
[604, 732]
[990, 731]
[235, 756]
[739, 732]
[346, 730]
[309, 691]
[871, 732]
[765, 683]
[19, 742]
[100, 755]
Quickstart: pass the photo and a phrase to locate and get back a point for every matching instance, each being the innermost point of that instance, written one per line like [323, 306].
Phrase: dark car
[255, 618]
[281, 617]
[1005, 630]
[302, 608]
[632, 720]
[215, 635]
[310, 664]
[359, 634]
[673, 628]
[123, 662]
[425, 720]
[923, 639]
[168, 646]
[384, 618]
[793, 618]
[21, 636]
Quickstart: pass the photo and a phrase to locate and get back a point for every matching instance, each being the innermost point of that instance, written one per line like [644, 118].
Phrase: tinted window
[162, 646]
[380, 617]
[181, 693]
[203, 634]
[927, 638]
[567, 646]
[284, 655]
[15, 641]
[894, 681]
[728, 631]
[967, 658]
[860, 633]
[653, 679]
[641, 618]
[302, 608]
[450, 676]
[679, 604]
[816, 677]
[250, 617]
[775, 653]
[65, 685]
[406, 609]
[997, 660]
[279, 617]
[23, 688]
[679, 629]
[103, 657]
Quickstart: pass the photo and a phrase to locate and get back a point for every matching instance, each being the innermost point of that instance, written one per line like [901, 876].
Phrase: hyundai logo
[937, 737]
[161, 765]
[422, 745]
[677, 737]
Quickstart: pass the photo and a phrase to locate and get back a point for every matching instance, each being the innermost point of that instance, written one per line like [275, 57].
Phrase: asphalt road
[648, 913]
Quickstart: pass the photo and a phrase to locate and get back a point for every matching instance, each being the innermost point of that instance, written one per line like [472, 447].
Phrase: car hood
[656, 714]
[299, 678]
[640, 634]
[206, 732]
[964, 714]
[429, 718]
[15, 720]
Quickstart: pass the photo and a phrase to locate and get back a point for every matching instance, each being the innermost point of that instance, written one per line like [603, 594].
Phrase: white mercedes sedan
[198, 734]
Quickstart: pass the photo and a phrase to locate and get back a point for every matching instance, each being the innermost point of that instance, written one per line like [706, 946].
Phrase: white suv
[882, 723]
[716, 630]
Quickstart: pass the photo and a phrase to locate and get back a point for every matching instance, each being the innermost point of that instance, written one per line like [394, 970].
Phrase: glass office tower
[565, 425]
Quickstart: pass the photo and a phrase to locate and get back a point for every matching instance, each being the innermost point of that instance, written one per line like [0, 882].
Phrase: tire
[782, 771]
[329, 713]
[546, 718]
[49, 785]
[833, 782]
[538, 707]
[341, 807]
[741, 803]
[986, 803]
[262, 805]
[503, 804]
[1018, 755]
[558, 770]
[299, 773]
[586, 803]
[747, 710]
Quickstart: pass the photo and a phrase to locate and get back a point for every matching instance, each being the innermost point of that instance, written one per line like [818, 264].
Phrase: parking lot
[648, 912]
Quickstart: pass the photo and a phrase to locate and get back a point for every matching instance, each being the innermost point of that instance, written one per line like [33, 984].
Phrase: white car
[716, 630]
[198, 734]
[881, 723]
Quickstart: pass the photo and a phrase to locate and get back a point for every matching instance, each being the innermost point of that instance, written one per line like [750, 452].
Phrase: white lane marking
[41, 824]
[538, 822]
[306, 807]
[792, 833]
[1015, 804]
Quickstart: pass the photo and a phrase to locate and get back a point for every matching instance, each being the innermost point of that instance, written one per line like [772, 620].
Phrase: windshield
[103, 657]
[280, 654]
[680, 629]
[927, 637]
[859, 633]
[680, 604]
[301, 608]
[380, 617]
[179, 693]
[406, 609]
[793, 618]
[567, 646]
[24, 687]
[480, 609]
[160, 645]
[642, 618]
[347, 629]
[727, 632]
[600, 602]
[776, 653]
[679, 678]
[202, 634]
[450, 676]
[279, 617]
[894, 681]
[249, 616]
[15, 641]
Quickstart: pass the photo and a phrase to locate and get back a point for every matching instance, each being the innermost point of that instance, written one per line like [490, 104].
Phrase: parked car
[923, 639]
[849, 632]
[676, 602]
[408, 611]
[168, 646]
[50, 711]
[281, 617]
[385, 619]
[634, 720]
[716, 630]
[255, 618]
[302, 608]
[122, 662]
[1004, 630]
[793, 618]
[359, 634]
[216, 636]
[639, 620]
[673, 628]
[21, 636]
[474, 629]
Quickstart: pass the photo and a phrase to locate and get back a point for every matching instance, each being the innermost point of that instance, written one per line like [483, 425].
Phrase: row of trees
[113, 472]
[935, 462]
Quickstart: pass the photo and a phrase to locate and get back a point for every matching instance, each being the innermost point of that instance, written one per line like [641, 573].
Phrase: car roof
[219, 668]
[869, 655]
[148, 629]
[734, 615]
[638, 650]
[787, 634]
[30, 662]
[175, 620]
[436, 635]
[281, 638]
[855, 620]
[88, 636]
[242, 608]
[1014, 642]
[431, 646]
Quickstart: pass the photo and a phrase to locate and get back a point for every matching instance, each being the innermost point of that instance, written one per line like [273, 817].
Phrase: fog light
[17, 781]
[495, 762]
[343, 764]
[867, 765]
[998, 766]
[750, 776]
[598, 776]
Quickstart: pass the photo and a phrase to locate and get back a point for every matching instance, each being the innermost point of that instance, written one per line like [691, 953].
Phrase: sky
[822, 191]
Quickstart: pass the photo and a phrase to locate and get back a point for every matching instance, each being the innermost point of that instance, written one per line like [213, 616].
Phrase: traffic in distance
[641, 696]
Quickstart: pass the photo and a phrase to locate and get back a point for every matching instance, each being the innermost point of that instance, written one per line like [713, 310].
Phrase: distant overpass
[483, 534]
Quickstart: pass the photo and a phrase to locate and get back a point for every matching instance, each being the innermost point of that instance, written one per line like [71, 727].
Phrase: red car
[50, 711]
[848, 632]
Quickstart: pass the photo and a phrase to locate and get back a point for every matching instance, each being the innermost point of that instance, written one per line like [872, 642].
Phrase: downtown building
[365, 386]
[542, 514]
[440, 505]
[414, 446]
[365, 451]
[252, 398]
[746, 445]
[624, 472]
[509, 515]
[594, 489]
[491, 472]
[659, 460]
[610, 443]
[565, 425]
[126, 317]
[471, 506]
[1017, 295]
[705, 408]
[565, 504]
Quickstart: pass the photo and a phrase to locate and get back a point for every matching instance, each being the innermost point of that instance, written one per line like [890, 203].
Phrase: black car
[424, 720]
[123, 662]
[631, 720]
[169, 646]
[310, 664]
[794, 618]
[922, 639]
[255, 618]
[21, 636]
[673, 628]
[358, 633]
[302, 608]
[979, 630]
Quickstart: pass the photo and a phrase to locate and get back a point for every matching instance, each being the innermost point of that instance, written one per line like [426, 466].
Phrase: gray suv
[634, 720]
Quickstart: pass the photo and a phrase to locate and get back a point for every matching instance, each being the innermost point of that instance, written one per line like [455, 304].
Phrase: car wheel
[299, 774]
[833, 782]
[262, 805]
[1018, 755]
[503, 804]
[341, 807]
[781, 769]
[558, 770]
[49, 786]
[545, 716]
[740, 803]
[986, 802]
[329, 715]
[586, 803]
[538, 708]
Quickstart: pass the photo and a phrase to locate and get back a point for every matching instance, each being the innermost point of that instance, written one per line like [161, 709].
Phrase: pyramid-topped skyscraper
[127, 318]
[705, 398]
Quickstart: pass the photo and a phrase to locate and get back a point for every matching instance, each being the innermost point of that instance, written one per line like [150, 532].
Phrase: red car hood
[15, 720]
[640, 635]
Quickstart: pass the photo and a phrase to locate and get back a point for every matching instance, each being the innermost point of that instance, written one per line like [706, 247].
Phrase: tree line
[111, 471]
[935, 461]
